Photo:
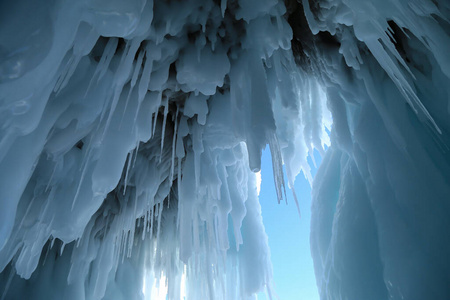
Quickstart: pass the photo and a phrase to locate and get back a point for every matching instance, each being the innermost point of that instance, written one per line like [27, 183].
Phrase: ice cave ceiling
[130, 131]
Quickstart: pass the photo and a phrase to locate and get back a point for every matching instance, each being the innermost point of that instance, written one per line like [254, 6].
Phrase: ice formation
[131, 131]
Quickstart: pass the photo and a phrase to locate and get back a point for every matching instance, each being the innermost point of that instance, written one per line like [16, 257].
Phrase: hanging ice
[130, 132]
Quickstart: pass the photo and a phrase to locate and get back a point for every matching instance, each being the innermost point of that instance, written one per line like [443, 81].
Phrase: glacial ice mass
[131, 132]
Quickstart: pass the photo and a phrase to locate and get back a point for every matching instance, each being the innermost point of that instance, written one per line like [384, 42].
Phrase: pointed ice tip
[296, 202]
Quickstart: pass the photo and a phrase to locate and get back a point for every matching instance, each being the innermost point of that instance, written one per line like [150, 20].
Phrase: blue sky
[288, 236]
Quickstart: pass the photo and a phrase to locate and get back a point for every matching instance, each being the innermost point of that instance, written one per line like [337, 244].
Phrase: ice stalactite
[129, 133]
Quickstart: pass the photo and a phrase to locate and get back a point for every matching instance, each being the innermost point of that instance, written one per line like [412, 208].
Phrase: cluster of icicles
[130, 133]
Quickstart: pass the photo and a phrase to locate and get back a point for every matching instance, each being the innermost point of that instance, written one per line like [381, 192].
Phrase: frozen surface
[130, 132]
[381, 196]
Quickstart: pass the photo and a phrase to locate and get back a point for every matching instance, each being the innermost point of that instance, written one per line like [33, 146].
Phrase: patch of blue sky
[288, 234]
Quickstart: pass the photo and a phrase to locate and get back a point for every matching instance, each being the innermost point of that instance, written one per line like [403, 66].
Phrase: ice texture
[131, 131]
[380, 198]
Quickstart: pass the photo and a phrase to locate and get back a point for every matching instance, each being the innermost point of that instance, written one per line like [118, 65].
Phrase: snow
[131, 132]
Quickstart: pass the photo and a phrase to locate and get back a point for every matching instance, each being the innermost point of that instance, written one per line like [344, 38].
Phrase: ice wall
[381, 197]
[129, 133]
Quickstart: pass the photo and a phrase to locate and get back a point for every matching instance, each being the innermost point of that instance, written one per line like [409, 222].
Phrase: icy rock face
[381, 196]
[129, 133]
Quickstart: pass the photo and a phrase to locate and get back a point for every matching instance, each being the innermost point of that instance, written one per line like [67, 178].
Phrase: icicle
[166, 110]
[150, 213]
[124, 243]
[106, 224]
[144, 225]
[128, 164]
[223, 7]
[137, 68]
[277, 166]
[172, 166]
[160, 209]
[296, 200]
[8, 283]
[144, 82]
[146, 74]
[62, 249]
[198, 150]
[133, 226]
[179, 192]
[156, 113]
[196, 233]
[26, 214]
[102, 66]
[151, 221]
[51, 177]
[136, 155]
[83, 174]
[121, 76]
[400, 81]
[67, 73]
